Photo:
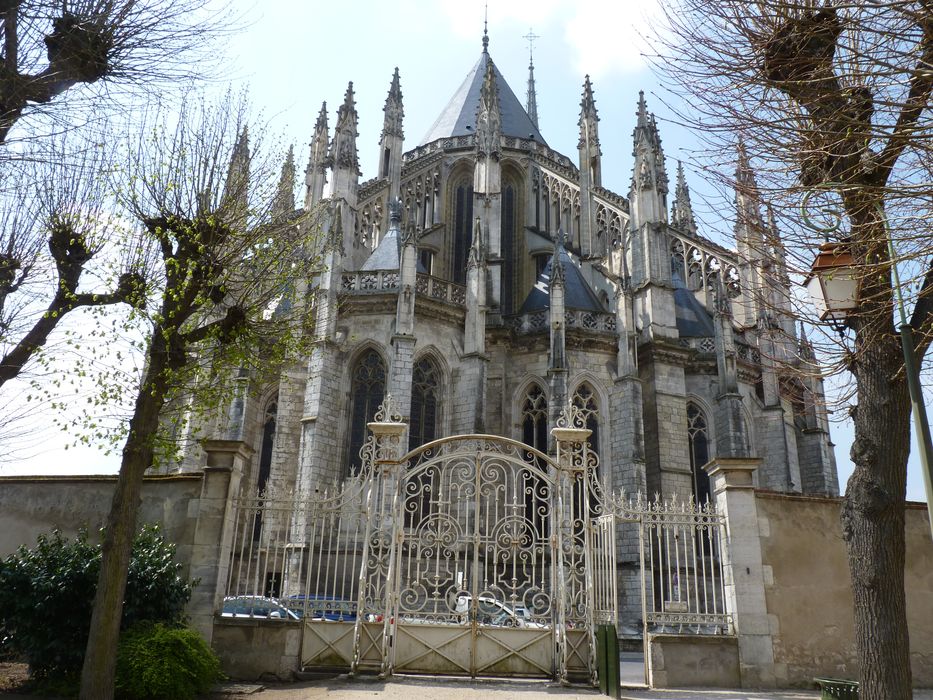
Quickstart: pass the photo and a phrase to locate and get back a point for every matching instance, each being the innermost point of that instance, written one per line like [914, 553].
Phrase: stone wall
[33, 505]
[808, 595]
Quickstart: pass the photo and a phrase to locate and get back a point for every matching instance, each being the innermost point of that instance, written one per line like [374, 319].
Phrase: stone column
[213, 533]
[742, 568]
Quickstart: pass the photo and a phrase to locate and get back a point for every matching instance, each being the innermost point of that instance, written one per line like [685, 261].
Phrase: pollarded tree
[201, 198]
[834, 98]
[50, 46]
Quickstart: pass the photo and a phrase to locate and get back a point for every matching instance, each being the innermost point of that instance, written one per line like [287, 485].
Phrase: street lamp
[833, 284]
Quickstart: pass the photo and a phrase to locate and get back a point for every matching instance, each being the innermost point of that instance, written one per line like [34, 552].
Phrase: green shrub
[156, 661]
[47, 593]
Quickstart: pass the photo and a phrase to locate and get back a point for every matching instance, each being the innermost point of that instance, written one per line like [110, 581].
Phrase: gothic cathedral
[486, 281]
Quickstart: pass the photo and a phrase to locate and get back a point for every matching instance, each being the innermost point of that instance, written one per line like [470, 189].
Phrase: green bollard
[607, 660]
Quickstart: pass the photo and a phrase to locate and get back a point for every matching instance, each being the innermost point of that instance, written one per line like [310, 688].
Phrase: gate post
[742, 568]
[381, 469]
[575, 462]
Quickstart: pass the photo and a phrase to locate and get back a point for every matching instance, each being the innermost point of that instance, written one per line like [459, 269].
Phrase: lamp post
[833, 284]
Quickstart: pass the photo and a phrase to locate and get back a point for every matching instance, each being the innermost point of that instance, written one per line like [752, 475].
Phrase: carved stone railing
[536, 321]
[704, 345]
[440, 290]
[369, 282]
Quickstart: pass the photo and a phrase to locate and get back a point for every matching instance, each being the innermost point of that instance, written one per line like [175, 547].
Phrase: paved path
[414, 688]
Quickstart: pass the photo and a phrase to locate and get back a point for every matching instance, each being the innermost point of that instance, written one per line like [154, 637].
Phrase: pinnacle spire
[394, 112]
[488, 117]
[235, 188]
[642, 110]
[284, 204]
[682, 209]
[320, 139]
[744, 175]
[343, 151]
[558, 277]
[588, 121]
[321, 123]
[315, 175]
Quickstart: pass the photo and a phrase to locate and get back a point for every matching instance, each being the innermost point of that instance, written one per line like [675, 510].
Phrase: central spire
[486, 30]
[531, 102]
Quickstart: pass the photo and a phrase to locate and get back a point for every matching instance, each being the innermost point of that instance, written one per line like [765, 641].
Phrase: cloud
[608, 38]
[603, 38]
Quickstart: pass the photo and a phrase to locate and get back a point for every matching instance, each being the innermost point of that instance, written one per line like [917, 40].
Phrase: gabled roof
[577, 293]
[460, 112]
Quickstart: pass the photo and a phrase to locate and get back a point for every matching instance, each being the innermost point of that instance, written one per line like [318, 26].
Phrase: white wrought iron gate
[472, 555]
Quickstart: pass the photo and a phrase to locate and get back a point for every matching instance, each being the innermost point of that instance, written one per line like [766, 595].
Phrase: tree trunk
[100, 659]
[873, 520]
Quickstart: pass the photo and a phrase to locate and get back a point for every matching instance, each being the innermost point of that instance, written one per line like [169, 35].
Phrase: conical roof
[577, 293]
[459, 116]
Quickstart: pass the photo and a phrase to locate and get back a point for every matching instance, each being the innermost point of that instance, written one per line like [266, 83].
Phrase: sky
[295, 55]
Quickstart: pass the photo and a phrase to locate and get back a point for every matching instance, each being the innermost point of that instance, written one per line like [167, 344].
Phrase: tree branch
[233, 320]
[921, 84]
[923, 314]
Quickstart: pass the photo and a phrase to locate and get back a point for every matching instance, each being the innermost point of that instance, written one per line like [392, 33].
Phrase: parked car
[490, 611]
[322, 607]
[256, 606]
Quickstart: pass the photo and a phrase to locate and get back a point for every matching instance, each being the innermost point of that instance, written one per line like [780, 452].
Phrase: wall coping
[26, 478]
[786, 496]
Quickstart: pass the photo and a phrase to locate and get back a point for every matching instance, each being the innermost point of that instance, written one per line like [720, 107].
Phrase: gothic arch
[368, 383]
[602, 407]
[531, 411]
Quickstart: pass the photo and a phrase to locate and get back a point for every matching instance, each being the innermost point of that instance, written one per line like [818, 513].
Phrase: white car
[496, 613]
[255, 606]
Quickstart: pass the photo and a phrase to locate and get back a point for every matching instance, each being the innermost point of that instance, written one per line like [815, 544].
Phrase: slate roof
[460, 111]
[388, 254]
[577, 293]
[693, 320]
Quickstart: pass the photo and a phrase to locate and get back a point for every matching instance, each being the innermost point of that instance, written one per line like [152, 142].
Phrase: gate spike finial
[571, 417]
[388, 411]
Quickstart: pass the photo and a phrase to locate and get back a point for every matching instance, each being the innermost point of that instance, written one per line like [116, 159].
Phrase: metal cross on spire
[530, 37]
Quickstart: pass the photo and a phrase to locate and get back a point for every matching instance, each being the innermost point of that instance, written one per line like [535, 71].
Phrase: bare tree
[202, 198]
[834, 97]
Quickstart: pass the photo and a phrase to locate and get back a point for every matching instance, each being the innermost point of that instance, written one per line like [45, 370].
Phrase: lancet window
[509, 236]
[268, 442]
[586, 400]
[462, 229]
[699, 444]
[367, 390]
[265, 458]
[534, 433]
